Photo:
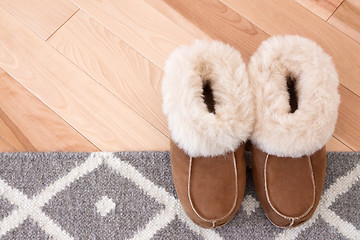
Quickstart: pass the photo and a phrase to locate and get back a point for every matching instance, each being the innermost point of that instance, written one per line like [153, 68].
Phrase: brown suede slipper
[210, 189]
[296, 101]
[210, 116]
[288, 189]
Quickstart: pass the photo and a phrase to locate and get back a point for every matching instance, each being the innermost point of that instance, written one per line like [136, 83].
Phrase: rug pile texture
[130, 195]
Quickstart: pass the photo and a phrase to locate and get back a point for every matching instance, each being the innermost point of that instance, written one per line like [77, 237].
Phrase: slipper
[296, 103]
[208, 102]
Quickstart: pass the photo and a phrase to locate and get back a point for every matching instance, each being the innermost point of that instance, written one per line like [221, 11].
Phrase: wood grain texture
[29, 125]
[178, 18]
[347, 19]
[43, 17]
[348, 126]
[322, 8]
[12, 134]
[220, 23]
[71, 93]
[334, 145]
[139, 25]
[194, 12]
[5, 147]
[288, 17]
[146, 31]
[228, 33]
[115, 65]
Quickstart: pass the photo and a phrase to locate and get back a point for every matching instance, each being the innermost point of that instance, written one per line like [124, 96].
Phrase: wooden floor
[85, 75]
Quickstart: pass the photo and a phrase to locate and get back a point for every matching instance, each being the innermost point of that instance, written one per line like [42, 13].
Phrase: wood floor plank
[43, 17]
[147, 31]
[115, 65]
[29, 125]
[348, 126]
[334, 145]
[12, 134]
[288, 17]
[71, 93]
[322, 8]
[195, 13]
[347, 19]
[178, 18]
[5, 147]
[219, 22]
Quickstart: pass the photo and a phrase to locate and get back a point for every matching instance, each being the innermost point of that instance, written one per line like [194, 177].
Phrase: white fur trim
[307, 130]
[197, 131]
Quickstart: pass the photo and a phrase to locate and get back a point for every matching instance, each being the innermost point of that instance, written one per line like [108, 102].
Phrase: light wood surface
[347, 19]
[37, 130]
[178, 18]
[279, 20]
[5, 147]
[95, 83]
[116, 66]
[43, 17]
[199, 11]
[336, 145]
[221, 23]
[71, 93]
[139, 25]
[348, 125]
[322, 8]
[12, 133]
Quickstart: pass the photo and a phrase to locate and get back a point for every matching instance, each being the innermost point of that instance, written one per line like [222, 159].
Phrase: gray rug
[130, 195]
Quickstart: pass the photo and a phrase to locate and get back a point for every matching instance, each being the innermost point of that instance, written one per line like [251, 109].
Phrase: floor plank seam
[62, 24]
[343, 143]
[176, 22]
[349, 89]
[108, 89]
[20, 20]
[310, 11]
[234, 10]
[334, 12]
[48, 107]
[98, 81]
[60, 116]
[124, 107]
[120, 39]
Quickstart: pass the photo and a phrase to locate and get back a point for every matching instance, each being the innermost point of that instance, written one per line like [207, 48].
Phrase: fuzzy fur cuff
[192, 127]
[277, 131]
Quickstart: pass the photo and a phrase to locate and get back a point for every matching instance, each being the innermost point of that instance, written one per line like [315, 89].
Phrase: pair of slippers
[285, 102]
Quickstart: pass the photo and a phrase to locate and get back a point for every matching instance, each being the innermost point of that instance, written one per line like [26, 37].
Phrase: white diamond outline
[339, 187]
[172, 205]
[31, 207]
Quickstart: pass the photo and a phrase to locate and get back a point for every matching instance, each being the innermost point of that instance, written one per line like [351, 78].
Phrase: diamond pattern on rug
[338, 164]
[74, 208]
[37, 170]
[27, 230]
[102, 197]
[176, 228]
[155, 166]
[320, 230]
[5, 207]
[347, 206]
